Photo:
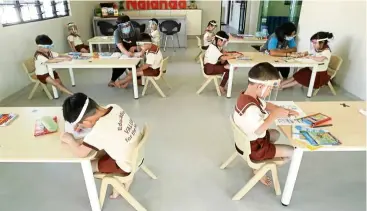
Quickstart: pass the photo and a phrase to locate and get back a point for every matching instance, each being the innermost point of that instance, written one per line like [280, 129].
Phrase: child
[209, 34]
[112, 130]
[252, 117]
[302, 77]
[154, 33]
[216, 60]
[74, 40]
[152, 64]
[43, 56]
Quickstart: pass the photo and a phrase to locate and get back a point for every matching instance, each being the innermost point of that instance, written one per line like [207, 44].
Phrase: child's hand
[133, 49]
[67, 138]
[130, 54]
[280, 112]
[69, 58]
[293, 112]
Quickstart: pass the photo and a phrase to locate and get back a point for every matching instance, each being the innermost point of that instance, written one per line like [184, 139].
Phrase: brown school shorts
[151, 72]
[42, 78]
[107, 165]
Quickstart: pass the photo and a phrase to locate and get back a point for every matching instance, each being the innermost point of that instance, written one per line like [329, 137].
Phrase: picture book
[40, 129]
[105, 55]
[244, 58]
[288, 105]
[313, 136]
[6, 119]
[314, 120]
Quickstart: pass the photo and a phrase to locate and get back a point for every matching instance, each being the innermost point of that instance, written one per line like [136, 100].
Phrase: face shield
[273, 85]
[81, 114]
[72, 28]
[225, 41]
[313, 51]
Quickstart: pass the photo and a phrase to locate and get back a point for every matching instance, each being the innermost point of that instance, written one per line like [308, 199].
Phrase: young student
[74, 39]
[216, 59]
[319, 42]
[42, 57]
[112, 130]
[254, 116]
[154, 32]
[209, 34]
[152, 64]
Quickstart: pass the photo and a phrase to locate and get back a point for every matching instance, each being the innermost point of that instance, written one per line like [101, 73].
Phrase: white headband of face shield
[82, 112]
[224, 39]
[212, 23]
[267, 83]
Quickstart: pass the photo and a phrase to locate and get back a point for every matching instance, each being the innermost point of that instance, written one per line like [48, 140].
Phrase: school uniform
[41, 67]
[154, 58]
[249, 115]
[117, 134]
[206, 36]
[78, 43]
[212, 64]
[303, 76]
[156, 37]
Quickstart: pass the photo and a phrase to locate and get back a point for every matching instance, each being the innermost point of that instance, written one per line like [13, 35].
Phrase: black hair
[144, 37]
[322, 35]
[155, 20]
[263, 71]
[211, 23]
[73, 105]
[43, 40]
[286, 29]
[222, 34]
[122, 19]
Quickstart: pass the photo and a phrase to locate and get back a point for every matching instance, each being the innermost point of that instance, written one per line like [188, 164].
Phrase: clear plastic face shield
[72, 28]
[224, 40]
[46, 46]
[269, 92]
[213, 25]
[313, 43]
[152, 24]
[126, 27]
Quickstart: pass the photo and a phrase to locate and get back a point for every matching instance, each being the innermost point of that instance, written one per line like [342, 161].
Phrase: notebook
[6, 119]
[40, 130]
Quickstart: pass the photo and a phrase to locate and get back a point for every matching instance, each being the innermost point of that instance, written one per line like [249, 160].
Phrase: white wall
[17, 43]
[211, 11]
[347, 21]
[225, 10]
[252, 16]
[235, 15]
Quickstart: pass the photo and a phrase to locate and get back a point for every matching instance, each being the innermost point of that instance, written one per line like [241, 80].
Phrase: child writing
[216, 59]
[112, 130]
[254, 116]
[42, 57]
[319, 42]
[209, 34]
[74, 40]
[154, 33]
[152, 64]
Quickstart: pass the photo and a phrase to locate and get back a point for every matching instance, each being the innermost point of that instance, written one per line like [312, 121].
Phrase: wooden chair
[334, 66]
[30, 69]
[122, 184]
[152, 79]
[209, 78]
[263, 167]
[201, 51]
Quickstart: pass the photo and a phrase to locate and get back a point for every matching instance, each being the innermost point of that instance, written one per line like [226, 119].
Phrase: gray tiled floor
[190, 138]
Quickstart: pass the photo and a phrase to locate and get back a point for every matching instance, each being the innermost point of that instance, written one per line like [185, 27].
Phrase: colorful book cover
[313, 136]
[40, 130]
[314, 120]
[6, 119]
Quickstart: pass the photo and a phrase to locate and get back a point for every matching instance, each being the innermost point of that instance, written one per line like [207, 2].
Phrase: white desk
[96, 63]
[246, 40]
[100, 40]
[18, 145]
[348, 125]
[257, 57]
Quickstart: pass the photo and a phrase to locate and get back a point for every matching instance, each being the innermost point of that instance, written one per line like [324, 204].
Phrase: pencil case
[49, 123]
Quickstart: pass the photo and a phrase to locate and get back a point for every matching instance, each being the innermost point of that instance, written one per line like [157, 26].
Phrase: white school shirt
[117, 134]
[326, 53]
[251, 120]
[75, 39]
[206, 37]
[212, 55]
[40, 63]
[154, 57]
[156, 37]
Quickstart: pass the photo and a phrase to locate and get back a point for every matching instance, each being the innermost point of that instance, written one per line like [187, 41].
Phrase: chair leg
[157, 87]
[229, 161]
[103, 191]
[204, 85]
[164, 80]
[148, 171]
[33, 90]
[165, 44]
[251, 183]
[217, 86]
[178, 40]
[145, 87]
[274, 174]
[44, 87]
[331, 87]
[315, 92]
[173, 44]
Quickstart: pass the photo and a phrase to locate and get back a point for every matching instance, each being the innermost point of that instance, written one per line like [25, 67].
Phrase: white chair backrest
[334, 65]
[30, 69]
[202, 65]
[163, 68]
[139, 151]
[199, 41]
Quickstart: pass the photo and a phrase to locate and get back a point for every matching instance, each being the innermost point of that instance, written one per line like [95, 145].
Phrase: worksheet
[136, 55]
[288, 105]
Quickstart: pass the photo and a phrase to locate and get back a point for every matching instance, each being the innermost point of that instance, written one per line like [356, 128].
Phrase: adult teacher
[125, 39]
[281, 43]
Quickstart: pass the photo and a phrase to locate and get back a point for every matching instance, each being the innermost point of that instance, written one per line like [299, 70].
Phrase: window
[23, 11]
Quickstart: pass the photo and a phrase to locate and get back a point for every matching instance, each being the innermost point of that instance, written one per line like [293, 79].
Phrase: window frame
[38, 4]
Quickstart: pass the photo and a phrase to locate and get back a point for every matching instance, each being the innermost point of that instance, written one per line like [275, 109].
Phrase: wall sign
[156, 4]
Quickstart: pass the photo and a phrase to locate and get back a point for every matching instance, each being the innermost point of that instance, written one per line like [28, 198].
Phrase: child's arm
[76, 147]
[55, 60]
[275, 114]
[271, 107]
[143, 67]
[72, 46]
[318, 59]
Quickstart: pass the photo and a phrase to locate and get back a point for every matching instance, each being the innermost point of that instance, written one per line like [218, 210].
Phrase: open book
[288, 105]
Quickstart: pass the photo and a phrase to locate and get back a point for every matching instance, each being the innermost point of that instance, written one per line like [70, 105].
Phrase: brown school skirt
[79, 47]
[261, 149]
[215, 69]
[303, 77]
[42, 78]
[107, 165]
[151, 72]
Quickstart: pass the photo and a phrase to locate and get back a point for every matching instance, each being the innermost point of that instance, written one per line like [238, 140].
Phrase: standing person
[125, 38]
[281, 43]
[209, 34]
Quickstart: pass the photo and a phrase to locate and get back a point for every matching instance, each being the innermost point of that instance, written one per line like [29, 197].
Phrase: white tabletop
[247, 40]
[102, 40]
[18, 144]
[146, 17]
[97, 63]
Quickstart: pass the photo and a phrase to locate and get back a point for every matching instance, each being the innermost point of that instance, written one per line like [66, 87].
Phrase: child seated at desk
[42, 57]
[322, 52]
[252, 116]
[112, 130]
[216, 59]
[209, 34]
[74, 39]
[152, 64]
[154, 33]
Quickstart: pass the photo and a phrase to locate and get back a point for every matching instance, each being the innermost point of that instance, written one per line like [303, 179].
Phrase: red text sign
[156, 4]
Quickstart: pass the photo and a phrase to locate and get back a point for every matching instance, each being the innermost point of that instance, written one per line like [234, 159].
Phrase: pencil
[323, 126]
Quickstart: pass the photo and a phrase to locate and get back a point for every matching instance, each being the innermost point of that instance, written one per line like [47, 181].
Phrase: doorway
[233, 16]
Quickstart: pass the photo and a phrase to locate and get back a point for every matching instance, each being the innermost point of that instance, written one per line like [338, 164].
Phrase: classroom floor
[190, 138]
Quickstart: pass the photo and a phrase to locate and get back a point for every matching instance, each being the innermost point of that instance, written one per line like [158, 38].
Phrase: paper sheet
[288, 105]
[136, 55]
